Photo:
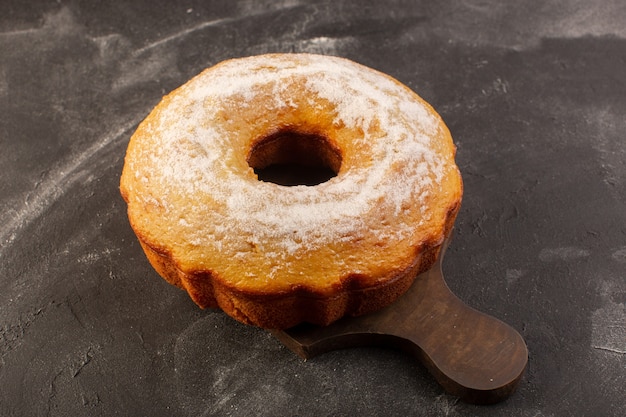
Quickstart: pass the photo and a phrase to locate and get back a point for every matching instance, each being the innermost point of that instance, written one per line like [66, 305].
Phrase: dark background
[534, 93]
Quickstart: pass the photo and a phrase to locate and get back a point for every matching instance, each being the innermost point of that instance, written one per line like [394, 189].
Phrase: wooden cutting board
[471, 354]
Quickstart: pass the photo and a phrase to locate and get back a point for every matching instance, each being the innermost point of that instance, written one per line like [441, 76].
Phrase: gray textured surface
[534, 94]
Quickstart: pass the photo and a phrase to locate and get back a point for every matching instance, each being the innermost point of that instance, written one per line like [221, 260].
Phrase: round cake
[216, 194]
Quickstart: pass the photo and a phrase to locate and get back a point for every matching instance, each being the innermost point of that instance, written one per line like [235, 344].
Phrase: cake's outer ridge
[206, 221]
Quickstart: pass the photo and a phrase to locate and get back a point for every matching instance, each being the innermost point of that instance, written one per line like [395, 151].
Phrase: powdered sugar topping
[195, 157]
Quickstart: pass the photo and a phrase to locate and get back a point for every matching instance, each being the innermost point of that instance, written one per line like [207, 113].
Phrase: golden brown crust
[277, 279]
[285, 310]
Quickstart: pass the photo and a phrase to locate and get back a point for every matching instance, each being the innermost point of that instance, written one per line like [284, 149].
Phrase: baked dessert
[274, 255]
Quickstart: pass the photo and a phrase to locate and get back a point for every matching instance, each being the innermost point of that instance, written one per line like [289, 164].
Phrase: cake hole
[294, 158]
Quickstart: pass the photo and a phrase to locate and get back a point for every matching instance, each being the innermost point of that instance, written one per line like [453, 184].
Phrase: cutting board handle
[471, 354]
